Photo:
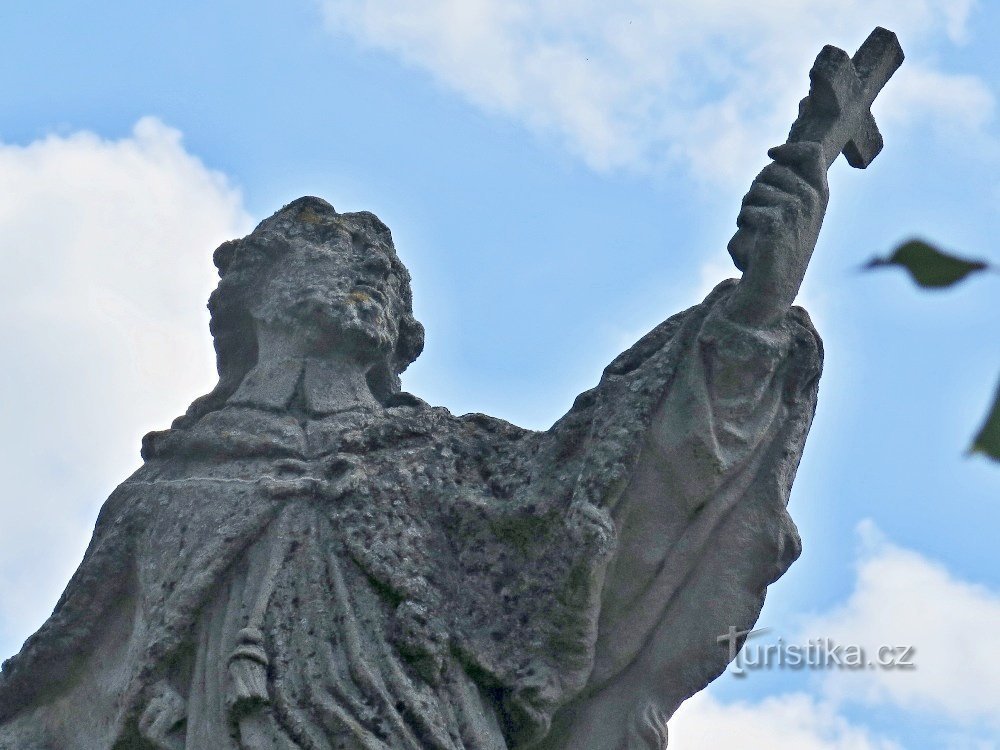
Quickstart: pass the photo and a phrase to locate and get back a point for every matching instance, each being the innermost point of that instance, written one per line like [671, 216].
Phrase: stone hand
[778, 225]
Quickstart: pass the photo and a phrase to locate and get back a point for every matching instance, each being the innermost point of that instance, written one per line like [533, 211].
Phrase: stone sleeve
[724, 399]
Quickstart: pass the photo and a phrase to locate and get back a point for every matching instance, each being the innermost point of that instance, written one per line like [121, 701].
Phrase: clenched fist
[778, 225]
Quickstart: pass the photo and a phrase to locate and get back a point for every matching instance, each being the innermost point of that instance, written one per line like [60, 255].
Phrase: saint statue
[312, 559]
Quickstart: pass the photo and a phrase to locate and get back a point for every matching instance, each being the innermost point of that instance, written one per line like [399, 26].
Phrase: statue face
[344, 294]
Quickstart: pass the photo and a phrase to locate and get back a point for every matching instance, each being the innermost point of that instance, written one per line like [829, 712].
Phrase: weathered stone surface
[310, 558]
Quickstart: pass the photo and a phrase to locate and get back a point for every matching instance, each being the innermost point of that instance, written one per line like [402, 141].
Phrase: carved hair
[244, 264]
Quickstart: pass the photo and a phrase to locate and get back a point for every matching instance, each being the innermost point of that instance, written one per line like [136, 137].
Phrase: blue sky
[559, 177]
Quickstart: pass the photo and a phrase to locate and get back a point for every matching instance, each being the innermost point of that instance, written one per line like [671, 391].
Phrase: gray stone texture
[311, 558]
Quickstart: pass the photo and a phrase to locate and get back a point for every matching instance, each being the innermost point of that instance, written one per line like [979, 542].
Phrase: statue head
[331, 282]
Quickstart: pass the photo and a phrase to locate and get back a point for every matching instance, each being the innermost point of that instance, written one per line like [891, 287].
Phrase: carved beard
[354, 321]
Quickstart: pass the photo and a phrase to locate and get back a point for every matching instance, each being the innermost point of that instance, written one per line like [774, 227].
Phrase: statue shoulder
[405, 407]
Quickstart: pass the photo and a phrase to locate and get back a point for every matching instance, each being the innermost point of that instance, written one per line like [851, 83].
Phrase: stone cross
[837, 112]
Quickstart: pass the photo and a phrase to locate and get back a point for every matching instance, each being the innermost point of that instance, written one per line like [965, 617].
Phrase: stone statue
[310, 558]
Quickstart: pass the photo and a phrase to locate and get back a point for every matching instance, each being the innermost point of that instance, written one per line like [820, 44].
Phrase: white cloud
[900, 598]
[794, 721]
[955, 103]
[106, 250]
[642, 83]
[903, 598]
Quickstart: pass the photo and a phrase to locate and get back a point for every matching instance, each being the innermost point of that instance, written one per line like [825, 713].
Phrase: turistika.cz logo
[815, 653]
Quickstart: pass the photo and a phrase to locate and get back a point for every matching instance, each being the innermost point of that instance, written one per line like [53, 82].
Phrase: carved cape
[486, 543]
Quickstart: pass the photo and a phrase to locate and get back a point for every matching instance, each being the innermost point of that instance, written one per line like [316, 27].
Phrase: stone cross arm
[837, 112]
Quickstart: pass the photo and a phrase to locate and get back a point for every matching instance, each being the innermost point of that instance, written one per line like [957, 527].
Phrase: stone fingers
[785, 202]
[806, 159]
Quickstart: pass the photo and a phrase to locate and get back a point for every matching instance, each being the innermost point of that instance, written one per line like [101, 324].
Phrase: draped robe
[279, 576]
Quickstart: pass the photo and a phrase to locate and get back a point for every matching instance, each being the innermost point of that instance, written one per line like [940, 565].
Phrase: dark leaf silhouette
[929, 266]
[988, 439]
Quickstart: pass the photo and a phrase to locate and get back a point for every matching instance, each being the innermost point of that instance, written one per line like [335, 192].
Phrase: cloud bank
[106, 254]
[794, 721]
[900, 598]
[643, 83]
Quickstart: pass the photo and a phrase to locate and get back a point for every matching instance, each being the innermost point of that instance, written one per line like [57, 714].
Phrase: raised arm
[701, 526]
[778, 225]
[782, 214]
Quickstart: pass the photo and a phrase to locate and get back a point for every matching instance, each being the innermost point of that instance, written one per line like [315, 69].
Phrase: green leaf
[930, 268]
[987, 441]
